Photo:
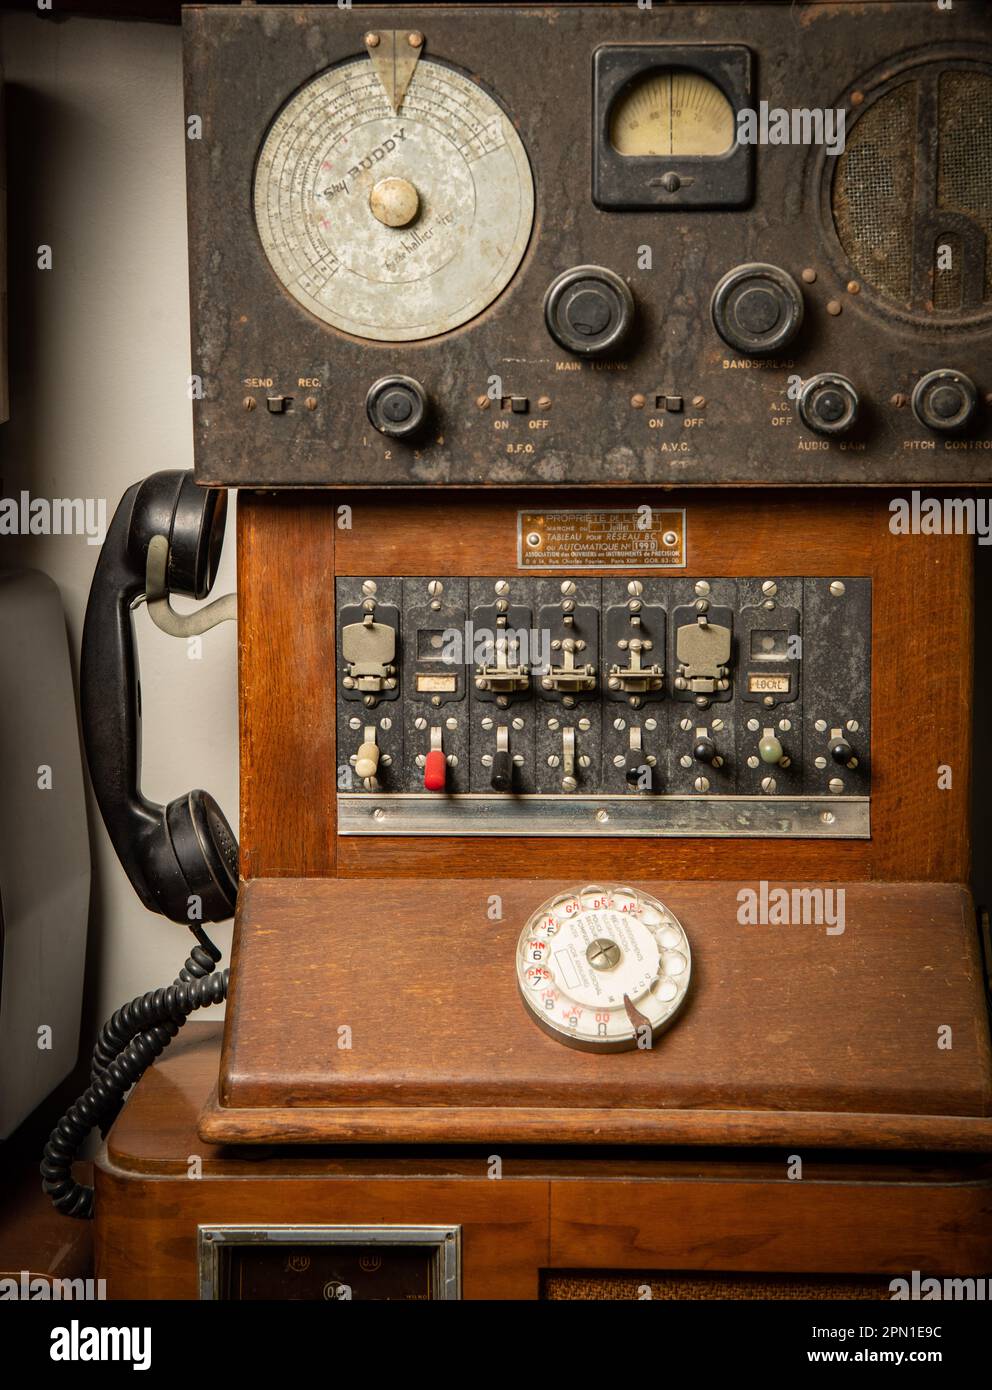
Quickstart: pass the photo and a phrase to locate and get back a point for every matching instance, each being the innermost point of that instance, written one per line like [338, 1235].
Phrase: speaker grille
[912, 193]
[964, 182]
[873, 194]
[615, 1286]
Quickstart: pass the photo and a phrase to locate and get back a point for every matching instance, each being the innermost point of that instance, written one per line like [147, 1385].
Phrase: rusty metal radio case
[540, 248]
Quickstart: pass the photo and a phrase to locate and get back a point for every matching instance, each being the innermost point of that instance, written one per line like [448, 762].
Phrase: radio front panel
[534, 246]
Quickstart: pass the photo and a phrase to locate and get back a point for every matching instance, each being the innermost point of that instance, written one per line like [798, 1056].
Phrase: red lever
[435, 770]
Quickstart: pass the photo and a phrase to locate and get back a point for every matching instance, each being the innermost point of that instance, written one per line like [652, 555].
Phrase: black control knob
[757, 308]
[828, 404]
[397, 406]
[589, 310]
[944, 400]
[636, 769]
[704, 750]
[502, 773]
[841, 751]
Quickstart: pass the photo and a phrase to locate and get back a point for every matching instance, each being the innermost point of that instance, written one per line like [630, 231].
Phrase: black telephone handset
[182, 858]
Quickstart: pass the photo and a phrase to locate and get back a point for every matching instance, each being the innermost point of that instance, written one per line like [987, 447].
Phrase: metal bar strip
[727, 817]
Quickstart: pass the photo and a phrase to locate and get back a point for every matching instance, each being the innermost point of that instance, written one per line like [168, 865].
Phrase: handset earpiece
[185, 850]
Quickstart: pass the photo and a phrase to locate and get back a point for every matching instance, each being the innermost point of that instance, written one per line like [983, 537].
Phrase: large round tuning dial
[944, 400]
[757, 308]
[589, 310]
[397, 406]
[828, 404]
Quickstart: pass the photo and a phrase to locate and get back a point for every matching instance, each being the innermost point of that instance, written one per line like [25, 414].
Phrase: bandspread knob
[757, 308]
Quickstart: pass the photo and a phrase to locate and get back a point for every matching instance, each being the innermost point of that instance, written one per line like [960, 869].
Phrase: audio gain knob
[828, 404]
[944, 400]
[757, 308]
[589, 310]
[397, 406]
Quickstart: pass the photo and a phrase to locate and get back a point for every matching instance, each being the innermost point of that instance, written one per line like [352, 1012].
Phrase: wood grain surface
[647, 1209]
[420, 982]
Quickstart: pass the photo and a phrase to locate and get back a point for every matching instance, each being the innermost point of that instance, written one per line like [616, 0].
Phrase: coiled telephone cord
[128, 1044]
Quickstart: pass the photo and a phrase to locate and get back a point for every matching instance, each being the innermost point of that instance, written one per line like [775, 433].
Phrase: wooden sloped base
[790, 1035]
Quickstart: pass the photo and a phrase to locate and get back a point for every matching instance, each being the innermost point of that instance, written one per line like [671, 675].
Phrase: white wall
[100, 352]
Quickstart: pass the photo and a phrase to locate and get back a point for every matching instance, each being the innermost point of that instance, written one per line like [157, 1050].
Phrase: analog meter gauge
[672, 112]
[665, 133]
[604, 969]
[393, 210]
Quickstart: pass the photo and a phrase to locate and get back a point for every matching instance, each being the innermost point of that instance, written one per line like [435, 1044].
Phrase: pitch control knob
[589, 310]
[397, 406]
[944, 400]
[828, 404]
[757, 308]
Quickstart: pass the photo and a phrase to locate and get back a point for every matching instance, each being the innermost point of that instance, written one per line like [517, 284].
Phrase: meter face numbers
[393, 225]
[603, 968]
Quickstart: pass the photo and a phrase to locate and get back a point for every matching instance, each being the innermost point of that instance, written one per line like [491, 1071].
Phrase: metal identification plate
[629, 539]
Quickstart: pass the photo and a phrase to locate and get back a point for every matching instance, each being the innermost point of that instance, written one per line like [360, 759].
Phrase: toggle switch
[704, 749]
[841, 751]
[367, 759]
[569, 781]
[435, 764]
[770, 749]
[501, 779]
[637, 766]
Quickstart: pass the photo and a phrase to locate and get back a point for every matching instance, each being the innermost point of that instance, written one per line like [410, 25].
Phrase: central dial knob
[589, 310]
[397, 406]
[394, 202]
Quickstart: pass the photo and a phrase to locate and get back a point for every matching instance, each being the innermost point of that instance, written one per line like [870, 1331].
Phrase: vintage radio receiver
[591, 244]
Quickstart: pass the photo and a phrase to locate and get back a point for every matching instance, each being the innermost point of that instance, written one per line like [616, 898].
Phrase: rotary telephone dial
[182, 859]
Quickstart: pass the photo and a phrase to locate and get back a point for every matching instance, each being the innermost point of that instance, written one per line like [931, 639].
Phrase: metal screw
[501, 587]
[250, 403]
[371, 40]
[415, 40]
[837, 588]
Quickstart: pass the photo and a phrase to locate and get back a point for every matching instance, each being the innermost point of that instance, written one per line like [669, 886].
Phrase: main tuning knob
[828, 404]
[757, 308]
[589, 310]
[397, 406]
[944, 400]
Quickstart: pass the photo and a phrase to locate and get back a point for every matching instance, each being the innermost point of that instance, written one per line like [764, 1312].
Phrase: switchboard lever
[569, 782]
[502, 773]
[841, 751]
[367, 759]
[637, 770]
[770, 749]
[704, 749]
[634, 677]
[435, 764]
